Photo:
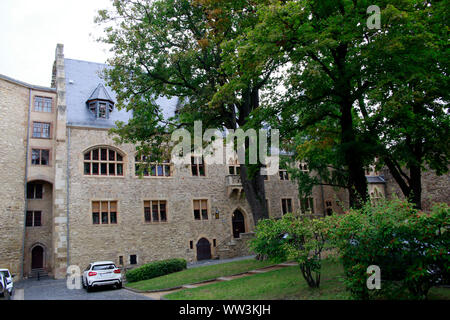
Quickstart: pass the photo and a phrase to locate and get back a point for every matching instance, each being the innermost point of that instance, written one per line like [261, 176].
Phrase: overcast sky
[30, 30]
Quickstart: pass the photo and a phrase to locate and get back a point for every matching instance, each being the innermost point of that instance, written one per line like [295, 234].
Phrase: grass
[198, 274]
[286, 283]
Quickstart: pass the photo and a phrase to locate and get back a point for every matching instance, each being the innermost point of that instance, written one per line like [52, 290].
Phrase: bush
[410, 247]
[293, 238]
[155, 269]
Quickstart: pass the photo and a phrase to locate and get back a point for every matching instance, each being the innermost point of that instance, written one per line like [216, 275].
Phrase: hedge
[155, 269]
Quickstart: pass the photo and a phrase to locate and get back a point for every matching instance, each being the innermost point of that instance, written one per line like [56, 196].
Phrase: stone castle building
[71, 195]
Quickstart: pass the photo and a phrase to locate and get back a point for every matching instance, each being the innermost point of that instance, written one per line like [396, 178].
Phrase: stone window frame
[283, 175]
[265, 177]
[303, 166]
[311, 204]
[129, 259]
[208, 209]
[282, 207]
[236, 169]
[33, 218]
[40, 157]
[375, 195]
[151, 213]
[156, 164]
[34, 191]
[198, 166]
[50, 130]
[35, 97]
[100, 212]
[108, 162]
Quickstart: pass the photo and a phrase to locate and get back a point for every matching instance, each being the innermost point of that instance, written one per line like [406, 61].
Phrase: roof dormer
[100, 103]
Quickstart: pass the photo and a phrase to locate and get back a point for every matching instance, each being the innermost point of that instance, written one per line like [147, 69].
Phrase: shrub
[409, 246]
[155, 269]
[293, 238]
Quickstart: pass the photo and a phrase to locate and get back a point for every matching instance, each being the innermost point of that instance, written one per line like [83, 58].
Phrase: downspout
[67, 195]
[25, 186]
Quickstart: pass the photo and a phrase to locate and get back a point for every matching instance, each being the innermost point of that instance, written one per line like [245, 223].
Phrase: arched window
[376, 195]
[103, 161]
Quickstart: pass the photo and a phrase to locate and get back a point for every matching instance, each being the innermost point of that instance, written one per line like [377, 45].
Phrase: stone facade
[67, 233]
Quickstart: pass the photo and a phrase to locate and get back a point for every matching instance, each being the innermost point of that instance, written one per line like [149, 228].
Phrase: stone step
[41, 273]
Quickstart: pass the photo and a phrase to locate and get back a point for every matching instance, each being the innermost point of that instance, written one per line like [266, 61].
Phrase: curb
[203, 281]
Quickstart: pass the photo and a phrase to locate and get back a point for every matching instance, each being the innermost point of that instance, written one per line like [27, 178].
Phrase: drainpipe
[25, 186]
[67, 195]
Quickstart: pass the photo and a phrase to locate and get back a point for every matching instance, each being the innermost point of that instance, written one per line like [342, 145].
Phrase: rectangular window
[234, 169]
[197, 166]
[284, 175]
[41, 130]
[33, 219]
[307, 205]
[42, 104]
[40, 157]
[155, 211]
[286, 205]
[153, 169]
[201, 209]
[34, 190]
[191, 244]
[133, 259]
[303, 167]
[104, 212]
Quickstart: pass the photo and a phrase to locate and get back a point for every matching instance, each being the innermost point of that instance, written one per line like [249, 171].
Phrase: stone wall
[14, 101]
[132, 235]
[434, 188]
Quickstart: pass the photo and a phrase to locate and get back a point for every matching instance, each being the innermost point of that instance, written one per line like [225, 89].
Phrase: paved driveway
[49, 289]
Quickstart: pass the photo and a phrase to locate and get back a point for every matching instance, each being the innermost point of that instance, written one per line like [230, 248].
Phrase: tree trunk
[254, 193]
[357, 178]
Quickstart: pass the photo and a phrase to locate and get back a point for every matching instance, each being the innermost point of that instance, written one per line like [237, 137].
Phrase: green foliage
[293, 238]
[155, 269]
[409, 246]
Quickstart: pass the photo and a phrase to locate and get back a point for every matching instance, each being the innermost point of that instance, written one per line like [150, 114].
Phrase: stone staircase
[235, 247]
[38, 274]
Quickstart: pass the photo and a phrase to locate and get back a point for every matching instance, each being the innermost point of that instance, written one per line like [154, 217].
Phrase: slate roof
[83, 78]
[100, 93]
[375, 179]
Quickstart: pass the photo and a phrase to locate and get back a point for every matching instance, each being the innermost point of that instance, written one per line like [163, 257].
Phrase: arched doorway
[37, 257]
[238, 222]
[203, 249]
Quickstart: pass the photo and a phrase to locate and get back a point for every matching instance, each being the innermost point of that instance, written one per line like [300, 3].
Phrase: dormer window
[100, 103]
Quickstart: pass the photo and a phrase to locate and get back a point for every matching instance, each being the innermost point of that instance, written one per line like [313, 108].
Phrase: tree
[293, 238]
[175, 48]
[406, 111]
[357, 93]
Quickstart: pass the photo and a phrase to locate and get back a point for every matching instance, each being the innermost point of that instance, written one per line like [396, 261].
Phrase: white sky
[30, 30]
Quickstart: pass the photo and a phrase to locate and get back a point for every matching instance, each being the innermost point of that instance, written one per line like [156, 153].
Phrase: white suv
[101, 273]
[9, 280]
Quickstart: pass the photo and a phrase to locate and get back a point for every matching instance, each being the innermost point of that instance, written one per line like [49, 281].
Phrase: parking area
[49, 289]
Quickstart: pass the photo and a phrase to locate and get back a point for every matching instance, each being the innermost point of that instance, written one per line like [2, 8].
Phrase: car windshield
[5, 273]
[104, 267]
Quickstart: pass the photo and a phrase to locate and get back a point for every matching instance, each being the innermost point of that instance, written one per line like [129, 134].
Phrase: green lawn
[198, 274]
[286, 283]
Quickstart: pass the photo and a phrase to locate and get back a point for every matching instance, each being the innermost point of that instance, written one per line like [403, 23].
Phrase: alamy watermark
[374, 280]
[251, 147]
[374, 21]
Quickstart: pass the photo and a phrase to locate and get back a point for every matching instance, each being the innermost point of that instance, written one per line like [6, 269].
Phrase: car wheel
[88, 288]
[119, 285]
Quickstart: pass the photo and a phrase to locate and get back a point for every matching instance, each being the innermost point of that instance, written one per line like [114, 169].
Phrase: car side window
[88, 268]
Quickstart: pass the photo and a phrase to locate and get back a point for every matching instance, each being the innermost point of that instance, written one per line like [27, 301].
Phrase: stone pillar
[60, 245]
